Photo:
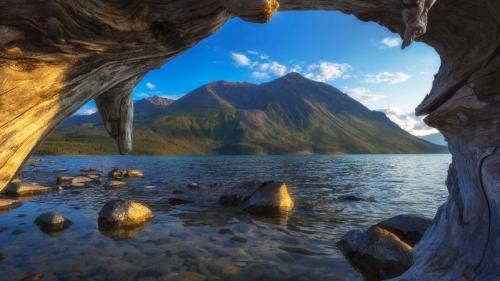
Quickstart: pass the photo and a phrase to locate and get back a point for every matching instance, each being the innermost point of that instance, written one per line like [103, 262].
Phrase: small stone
[52, 222]
[2, 256]
[124, 173]
[178, 201]
[193, 185]
[123, 213]
[8, 204]
[19, 188]
[90, 171]
[117, 184]
[177, 191]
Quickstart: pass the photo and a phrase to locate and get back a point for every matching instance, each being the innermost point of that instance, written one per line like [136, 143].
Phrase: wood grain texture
[55, 55]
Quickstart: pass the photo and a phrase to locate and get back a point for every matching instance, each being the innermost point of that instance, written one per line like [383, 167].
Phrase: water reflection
[204, 239]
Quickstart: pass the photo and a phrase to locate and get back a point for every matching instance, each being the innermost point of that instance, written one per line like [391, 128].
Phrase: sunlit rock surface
[122, 213]
[20, 188]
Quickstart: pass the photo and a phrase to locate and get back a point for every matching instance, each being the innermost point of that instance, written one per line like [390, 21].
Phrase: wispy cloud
[363, 95]
[150, 86]
[143, 95]
[408, 121]
[391, 42]
[240, 59]
[390, 78]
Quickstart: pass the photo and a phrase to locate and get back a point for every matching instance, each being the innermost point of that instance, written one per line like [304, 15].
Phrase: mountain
[436, 138]
[291, 114]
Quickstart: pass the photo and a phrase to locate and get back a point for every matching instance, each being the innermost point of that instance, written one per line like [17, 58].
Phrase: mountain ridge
[291, 114]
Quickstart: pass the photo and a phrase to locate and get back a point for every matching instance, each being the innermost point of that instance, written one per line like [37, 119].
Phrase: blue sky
[362, 59]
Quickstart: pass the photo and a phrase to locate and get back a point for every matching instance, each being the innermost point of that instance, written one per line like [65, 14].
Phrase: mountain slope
[436, 138]
[288, 115]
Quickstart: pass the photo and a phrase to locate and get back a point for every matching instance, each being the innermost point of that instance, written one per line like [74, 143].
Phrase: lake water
[203, 241]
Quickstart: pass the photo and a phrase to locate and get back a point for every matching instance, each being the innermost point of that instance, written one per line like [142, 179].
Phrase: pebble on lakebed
[116, 184]
[52, 222]
[121, 213]
[20, 188]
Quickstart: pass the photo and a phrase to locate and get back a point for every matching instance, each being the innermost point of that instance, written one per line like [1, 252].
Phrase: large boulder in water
[240, 193]
[262, 198]
[377, 253]
[123, 213]
[20, 188]
[409, 228]
[384, 250]
[52, 222]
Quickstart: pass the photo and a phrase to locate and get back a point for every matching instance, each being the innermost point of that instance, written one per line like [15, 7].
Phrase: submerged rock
[193, 185]
[33, 277]
[20, 188]
[59, 170]
[178, 201]
[116, 184]
[9, 204]
[350, 197]
[52, 222]
[77, 181]
[124, 173]
[123, 213]
[409, 228]
[377, 253]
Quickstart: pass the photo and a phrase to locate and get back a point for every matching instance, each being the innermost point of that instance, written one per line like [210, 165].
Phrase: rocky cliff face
[57, 54]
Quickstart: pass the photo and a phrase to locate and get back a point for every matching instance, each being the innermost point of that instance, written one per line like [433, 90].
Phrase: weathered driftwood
[57, 54]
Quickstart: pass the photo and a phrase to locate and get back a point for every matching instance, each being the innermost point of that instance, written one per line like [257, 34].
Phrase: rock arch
[57, 54]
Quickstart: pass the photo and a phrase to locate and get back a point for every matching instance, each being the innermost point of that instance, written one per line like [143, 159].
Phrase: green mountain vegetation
[289, 115]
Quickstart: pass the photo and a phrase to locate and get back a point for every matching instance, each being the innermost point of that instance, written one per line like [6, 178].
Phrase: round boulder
[52, 222]
[121, 213]
[271, 198]
[409, 228]
[377, 253]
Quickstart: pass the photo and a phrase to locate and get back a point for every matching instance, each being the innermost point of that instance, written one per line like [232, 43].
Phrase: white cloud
[89, 111]
[390, 78]
[273, 67]
[391, 42]
[150, 86]
[363, 95]
[264, 68]
[408, 121]
[327, 71]
[241, 59]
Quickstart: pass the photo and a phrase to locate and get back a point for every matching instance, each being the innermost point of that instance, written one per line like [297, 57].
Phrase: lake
[204, 241]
